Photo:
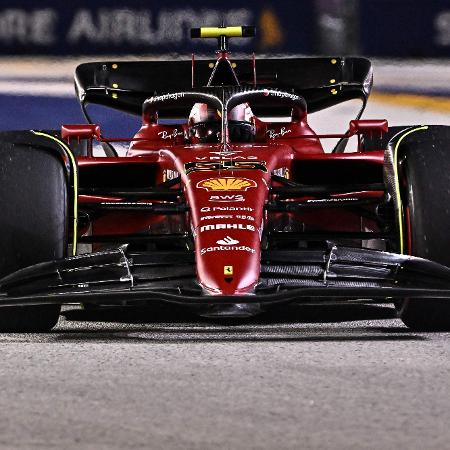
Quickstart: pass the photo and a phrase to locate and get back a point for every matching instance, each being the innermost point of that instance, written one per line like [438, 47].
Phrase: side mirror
[84, 131]
[368, 127]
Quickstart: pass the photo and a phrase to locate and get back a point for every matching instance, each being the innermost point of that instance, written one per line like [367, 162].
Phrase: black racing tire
[33, 223]
[425, 180]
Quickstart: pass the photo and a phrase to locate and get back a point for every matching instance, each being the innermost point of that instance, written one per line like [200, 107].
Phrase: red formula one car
[225, 200]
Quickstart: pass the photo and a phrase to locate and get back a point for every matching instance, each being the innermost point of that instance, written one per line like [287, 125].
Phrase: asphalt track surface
[346, 377]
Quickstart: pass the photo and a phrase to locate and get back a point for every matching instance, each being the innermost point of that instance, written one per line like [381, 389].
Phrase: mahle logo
[226, 184]
[227, 226]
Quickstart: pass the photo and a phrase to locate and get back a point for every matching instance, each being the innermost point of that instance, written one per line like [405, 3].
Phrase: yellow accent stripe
[75, 185]
[434, 103]
[213, 32]
[397, 183]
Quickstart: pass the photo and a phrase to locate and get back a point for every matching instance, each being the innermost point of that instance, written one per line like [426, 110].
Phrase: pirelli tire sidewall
[424, 180]
[34, 202]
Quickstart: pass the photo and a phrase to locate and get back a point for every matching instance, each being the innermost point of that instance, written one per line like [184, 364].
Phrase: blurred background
[42, 42]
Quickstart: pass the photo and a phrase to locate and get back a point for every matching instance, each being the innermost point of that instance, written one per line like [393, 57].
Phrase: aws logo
[224, 198]
[226, 184]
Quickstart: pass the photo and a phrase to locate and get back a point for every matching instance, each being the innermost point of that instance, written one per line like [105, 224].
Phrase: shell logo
[226, 184]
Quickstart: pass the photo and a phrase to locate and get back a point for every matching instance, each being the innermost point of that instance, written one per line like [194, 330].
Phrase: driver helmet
[240, 124]
[205, 123]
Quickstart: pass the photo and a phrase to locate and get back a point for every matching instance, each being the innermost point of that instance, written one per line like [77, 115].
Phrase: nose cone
[227, 218]
[228, 256]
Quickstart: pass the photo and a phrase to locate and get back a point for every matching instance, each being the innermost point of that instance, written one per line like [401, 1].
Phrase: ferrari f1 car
[225, 200]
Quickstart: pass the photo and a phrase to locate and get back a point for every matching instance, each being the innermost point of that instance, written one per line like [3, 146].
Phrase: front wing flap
[121, 277]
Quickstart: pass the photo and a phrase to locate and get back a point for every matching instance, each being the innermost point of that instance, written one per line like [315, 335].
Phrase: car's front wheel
[33, 224]
[424, 175]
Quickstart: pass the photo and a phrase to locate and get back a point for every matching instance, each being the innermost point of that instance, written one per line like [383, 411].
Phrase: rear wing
[322, 82]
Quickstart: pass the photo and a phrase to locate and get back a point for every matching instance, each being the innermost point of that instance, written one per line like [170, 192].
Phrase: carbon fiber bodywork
[119, 277]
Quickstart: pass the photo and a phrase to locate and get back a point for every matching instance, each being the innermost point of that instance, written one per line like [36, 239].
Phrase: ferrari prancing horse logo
[226, 184]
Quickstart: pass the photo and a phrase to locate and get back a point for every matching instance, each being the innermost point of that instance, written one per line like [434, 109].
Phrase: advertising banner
[149, 27]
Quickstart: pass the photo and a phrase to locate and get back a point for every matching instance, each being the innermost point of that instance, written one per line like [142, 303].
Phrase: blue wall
[405, 28]
[41, 113]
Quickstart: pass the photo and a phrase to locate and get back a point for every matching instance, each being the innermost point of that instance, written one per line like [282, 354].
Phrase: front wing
[121, 277]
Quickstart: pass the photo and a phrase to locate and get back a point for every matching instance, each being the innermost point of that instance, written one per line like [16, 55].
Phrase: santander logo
[227, 241]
